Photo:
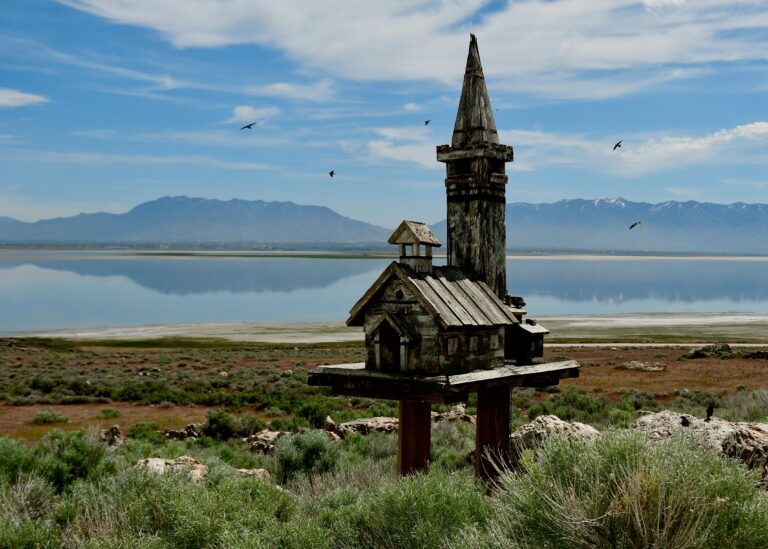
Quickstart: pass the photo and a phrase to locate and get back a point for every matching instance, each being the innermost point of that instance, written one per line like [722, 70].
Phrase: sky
[105, 104]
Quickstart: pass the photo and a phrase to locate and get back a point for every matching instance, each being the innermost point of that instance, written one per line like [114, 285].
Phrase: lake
[49, 290]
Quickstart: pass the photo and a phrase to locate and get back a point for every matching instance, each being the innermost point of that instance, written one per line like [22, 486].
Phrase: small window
[494, 341]
[399, 294]
[473, 344]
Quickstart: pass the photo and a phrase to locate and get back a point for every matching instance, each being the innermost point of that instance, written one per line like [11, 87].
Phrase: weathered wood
[413, 437]
[355, 380]
[492, 432]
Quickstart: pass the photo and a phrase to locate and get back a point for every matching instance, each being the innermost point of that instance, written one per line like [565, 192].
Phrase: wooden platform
[355, 380]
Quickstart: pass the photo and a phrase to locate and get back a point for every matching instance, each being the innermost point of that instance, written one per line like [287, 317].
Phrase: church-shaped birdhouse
[428, 320]
[436, 334]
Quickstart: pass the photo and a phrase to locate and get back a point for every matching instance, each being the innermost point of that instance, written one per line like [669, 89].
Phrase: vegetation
[69, 491]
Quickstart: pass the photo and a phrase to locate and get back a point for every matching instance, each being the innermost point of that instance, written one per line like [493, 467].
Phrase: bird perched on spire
[617, 145]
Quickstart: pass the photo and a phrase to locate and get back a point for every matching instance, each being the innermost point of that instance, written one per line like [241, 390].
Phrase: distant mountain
[602, 226]
[181, 219]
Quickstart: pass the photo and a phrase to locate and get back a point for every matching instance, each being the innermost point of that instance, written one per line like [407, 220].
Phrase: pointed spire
[474, 121]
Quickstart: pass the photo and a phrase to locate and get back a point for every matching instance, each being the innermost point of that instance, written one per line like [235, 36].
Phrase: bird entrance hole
[399, 294]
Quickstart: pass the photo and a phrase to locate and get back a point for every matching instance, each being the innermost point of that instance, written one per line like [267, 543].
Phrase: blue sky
[105, 104]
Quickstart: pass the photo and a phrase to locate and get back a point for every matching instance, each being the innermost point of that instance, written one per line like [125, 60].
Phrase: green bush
[309, 453]
[47, 417]
[110, 413]
[146, 430]
[621, 491]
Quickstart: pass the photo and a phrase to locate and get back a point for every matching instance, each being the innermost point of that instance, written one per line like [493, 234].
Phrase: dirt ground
[602, 370]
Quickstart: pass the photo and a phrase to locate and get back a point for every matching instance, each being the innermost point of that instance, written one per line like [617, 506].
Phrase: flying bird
[248, 126]
[427, 121]
[332, 173]
[617, 145]
[635, 224]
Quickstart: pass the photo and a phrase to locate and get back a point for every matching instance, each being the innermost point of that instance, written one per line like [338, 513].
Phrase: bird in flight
[248, 126]
[617, 145]
[635, 224]
[427, 121]
[332, 173]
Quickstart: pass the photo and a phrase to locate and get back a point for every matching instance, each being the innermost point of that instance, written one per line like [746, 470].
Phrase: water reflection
[200, 275]
[42, 291]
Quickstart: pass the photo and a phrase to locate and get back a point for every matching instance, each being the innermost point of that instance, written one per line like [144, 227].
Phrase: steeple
[474, 121]
[475, 183]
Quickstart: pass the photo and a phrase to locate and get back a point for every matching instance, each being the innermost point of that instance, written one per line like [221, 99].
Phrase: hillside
[602, 226]
[182, 219]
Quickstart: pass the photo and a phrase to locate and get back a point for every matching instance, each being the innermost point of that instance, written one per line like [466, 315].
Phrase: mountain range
[572, 225]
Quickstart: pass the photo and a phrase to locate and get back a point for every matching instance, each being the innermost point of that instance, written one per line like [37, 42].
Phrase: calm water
[43, 290]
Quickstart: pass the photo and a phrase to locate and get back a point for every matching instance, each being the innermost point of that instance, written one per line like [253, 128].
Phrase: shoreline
[640, 328]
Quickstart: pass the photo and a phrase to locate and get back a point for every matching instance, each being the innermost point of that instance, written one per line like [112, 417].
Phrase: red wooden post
[414, 435]
[492, 435]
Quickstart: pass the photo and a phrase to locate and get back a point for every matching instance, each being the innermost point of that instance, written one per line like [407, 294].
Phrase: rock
[188, 432]
[333, 437]
[197, 471]
[113, 436]
[330, 425]
[263, 441]
[747, 442]
[644, 366]
[368, 425]
[533, 434]
[458, 413]
[708, 351]
[261, 474]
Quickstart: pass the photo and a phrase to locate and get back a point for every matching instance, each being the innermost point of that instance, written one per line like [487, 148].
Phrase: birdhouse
[426, 320]
[436, 334]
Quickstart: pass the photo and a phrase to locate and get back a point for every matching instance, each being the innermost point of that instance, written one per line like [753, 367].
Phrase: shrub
[308, 453]
[110, 413]
[620, 491]
[149, 431]
[47, 417]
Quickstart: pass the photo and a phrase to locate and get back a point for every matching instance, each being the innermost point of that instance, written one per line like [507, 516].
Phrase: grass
[47, 417]
[68, 491]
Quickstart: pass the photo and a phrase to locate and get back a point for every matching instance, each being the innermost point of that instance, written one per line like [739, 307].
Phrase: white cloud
[420, 153]
[248, 114]
[103, 159]
[734, 182]
[567, 48]
[16, 98]
[319, 91]
[412, 107]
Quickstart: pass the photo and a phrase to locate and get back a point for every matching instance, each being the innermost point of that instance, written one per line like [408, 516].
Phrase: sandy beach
[642, 328]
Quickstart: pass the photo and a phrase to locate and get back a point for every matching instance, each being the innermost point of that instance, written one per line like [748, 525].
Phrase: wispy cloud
[407, 144]
[102, 159]
[96, 133]
[246, 113]
[594, 48]
[14, 98]
[320, 91]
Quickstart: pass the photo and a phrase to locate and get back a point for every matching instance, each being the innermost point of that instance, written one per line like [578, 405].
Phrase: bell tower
[475, 183]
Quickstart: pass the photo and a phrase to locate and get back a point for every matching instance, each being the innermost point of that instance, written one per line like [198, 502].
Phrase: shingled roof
[446, 293]
[411, 232]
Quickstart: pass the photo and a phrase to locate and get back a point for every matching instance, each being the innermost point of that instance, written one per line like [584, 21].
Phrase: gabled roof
[403, 327]
[474, 121]
[412, 232]
[446, 293]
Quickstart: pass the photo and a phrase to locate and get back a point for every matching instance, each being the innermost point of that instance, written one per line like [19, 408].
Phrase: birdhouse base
[417, 393]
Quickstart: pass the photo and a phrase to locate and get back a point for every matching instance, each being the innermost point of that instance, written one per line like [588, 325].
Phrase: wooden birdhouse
[426, 320]
[436, 334]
